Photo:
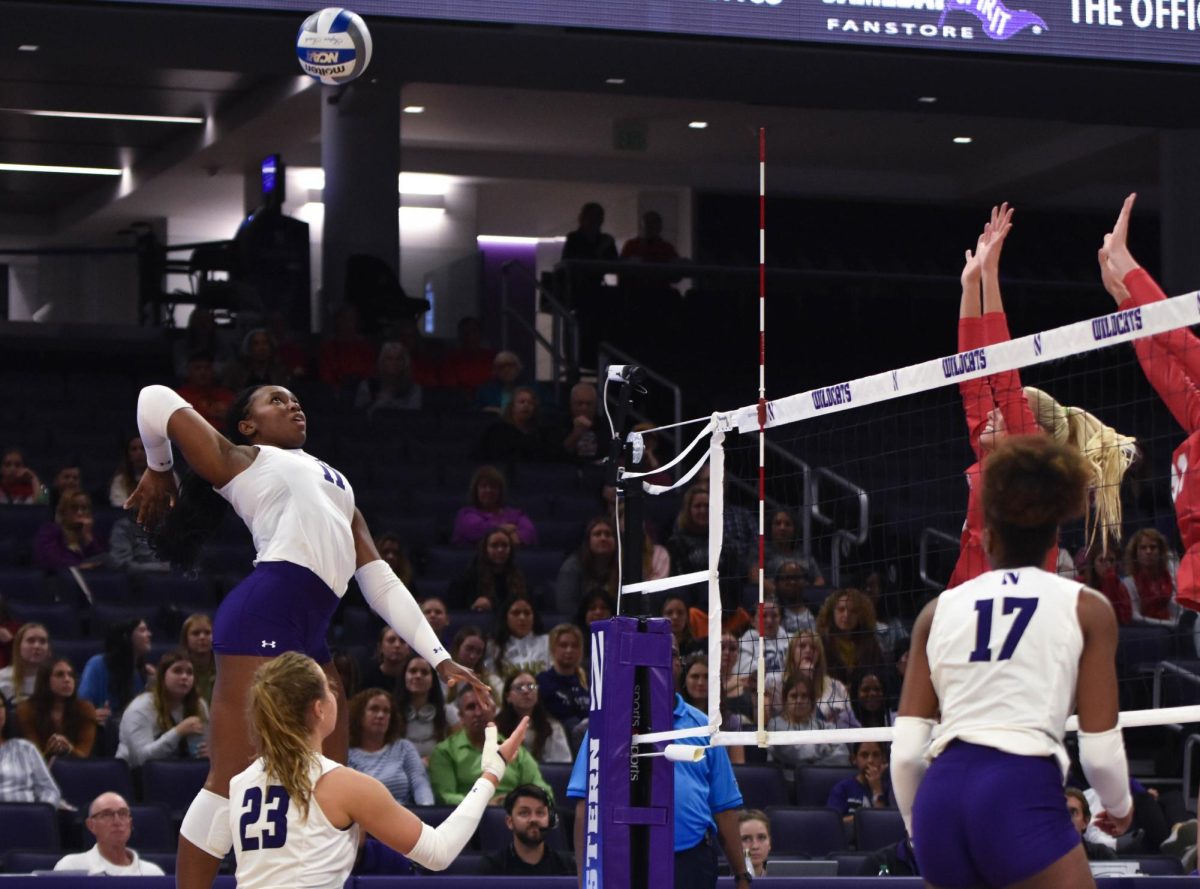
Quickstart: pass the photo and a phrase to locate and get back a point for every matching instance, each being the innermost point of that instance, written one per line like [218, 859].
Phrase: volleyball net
[864, 498]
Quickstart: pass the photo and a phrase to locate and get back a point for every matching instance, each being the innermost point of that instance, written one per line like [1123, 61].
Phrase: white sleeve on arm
[155, 406]
[391, 600]
[1102, 755]
[910, 740]
[439, 846]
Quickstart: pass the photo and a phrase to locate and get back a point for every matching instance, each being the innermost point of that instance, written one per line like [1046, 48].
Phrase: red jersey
[1171, 363]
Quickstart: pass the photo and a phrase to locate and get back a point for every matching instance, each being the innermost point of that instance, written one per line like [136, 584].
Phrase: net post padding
[716, 524]
[619, 648]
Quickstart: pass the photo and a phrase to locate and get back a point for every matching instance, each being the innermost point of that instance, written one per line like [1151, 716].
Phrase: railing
[607, 351]
[928, 534]
[563, 344]
[843, 538]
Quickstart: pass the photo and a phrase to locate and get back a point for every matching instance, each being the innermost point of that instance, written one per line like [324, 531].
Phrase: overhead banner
[1133, 30]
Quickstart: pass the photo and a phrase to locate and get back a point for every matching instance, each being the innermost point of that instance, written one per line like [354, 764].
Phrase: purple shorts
[280, 607]
[984, 817]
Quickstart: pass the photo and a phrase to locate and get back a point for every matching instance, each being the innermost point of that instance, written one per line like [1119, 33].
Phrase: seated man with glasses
[110, 822]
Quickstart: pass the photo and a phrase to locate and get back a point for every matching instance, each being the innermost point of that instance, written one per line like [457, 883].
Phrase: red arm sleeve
[976, 396]
[1171, 360]
[1006, 386]
[1181, 343]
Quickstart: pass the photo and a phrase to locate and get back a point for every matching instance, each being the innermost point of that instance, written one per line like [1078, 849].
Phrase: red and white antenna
[762, 424]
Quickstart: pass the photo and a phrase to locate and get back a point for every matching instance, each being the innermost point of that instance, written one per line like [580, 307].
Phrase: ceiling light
[97, 115]
[927, 100]
[699, 124]
[28, 47]
[414, 109]
[962, 140]
[615, 81]
[51, 168]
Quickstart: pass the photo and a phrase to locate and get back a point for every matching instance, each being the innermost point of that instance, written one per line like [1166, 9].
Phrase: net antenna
[762, 425]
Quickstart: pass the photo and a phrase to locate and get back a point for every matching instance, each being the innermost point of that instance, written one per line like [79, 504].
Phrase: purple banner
[999, 22]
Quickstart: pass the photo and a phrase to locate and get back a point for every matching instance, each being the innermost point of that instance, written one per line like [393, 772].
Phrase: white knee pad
[206, 824]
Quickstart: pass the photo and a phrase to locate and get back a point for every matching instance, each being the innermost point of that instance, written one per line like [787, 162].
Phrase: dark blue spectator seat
[850, 864]
[77, 651]
[173, 783]
[31, 827]
[19, 861]
[367, 449]
[414, 530]
[1160, 865]
[456, 477]
[399, 479]
[560, 535]
[228, 557]
[356, 626]
[493, 834]
[761, 785]
[82, 780]
[152, 829]
[438, 504]
[105, 616]
[22, 584]
[441, 450]
[811, 832]
[558, 776]
[164, 859]
[554, 478]
[579, 508]
[813, 783]
[171, 589]
[876, 828]
[109, 587]
[540, 565]
[469, 425]
[60, 619]
[459, 619]
[1142, 647]
[466, 864]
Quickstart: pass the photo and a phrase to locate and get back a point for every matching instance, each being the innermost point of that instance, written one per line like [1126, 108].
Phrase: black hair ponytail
[199, 510]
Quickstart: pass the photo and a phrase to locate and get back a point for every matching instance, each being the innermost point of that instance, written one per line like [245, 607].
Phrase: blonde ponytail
[280, 702]
[1109, 455]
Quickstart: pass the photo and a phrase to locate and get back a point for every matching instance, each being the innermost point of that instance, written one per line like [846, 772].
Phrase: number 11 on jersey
[983, 626]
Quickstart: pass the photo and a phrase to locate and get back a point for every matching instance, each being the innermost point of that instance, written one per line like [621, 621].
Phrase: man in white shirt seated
[110, 822]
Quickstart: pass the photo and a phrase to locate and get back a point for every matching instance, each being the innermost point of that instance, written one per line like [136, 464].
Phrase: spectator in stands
[688, 546]
[783, 544]
[1150, 579]
[379, 749]
[518, 641]
[585, 291]
[469, 364]
[684, 622]
[8, 631]
[754, 827]
[391, 387]
[67, 477]
[546, 740]
[54, 718]
[871, 788]
[1081, 817]
[31, 649]
[520, 435]
[798, 714]
[24, 777]
[426, 369]
[649, 245]
[469, 648]
[387, 666]
[19, 484]
[129, 548]
[111, 823]
[736, 689]
[889, 630]
[454, 763]
[494, 395]
[693, 680]
[428, 719]
[593, 565]
[435, 612]
[112, 679]
[200, 389]
[775, 641]
[258, 363]
[486, 510]
[391, 550]
[347, 356]
[168, 722]
[1098, 570]
[582, 442]
[491, 577]
[70, 541]
[806, 656]
[597, 604]
[563, 686]
[204, 335]
[530, 816]
[789, 582]
[869, 703]
[846, 623]
[292, 355]
[195, 638]
[129, 472]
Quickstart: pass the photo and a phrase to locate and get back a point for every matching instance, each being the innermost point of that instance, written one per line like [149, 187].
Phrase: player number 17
[983, 626]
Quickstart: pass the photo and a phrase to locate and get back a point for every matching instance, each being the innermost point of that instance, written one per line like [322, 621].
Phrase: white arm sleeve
[155, 406]
[391, 600]
[439, 846]
[1102, 755]
[910, 739]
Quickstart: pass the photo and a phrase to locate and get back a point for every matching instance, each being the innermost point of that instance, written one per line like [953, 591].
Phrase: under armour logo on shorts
[268, 644]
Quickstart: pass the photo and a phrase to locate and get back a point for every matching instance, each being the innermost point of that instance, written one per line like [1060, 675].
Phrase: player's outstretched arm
[988, 254]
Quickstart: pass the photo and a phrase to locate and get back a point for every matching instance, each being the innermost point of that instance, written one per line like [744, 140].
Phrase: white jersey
[1004, 659]
[298, 510]
[275, 846]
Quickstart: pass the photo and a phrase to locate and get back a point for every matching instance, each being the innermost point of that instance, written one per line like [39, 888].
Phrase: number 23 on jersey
[257, 831]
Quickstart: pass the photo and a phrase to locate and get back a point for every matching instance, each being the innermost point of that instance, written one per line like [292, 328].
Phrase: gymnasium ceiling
[528, 103]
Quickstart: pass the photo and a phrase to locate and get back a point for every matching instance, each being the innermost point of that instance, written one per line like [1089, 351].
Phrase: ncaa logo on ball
[333, 45]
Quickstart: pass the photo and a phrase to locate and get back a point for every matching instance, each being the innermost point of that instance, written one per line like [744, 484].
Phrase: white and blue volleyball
[334, 45]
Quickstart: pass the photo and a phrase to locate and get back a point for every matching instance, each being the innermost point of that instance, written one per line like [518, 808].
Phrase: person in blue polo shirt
[707, 801]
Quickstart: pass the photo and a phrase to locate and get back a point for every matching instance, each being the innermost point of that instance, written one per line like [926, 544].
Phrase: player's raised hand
[996, 230]
[1114, 254]
[154, 496]
[454, 673]
[1112, 825]
[495, 757]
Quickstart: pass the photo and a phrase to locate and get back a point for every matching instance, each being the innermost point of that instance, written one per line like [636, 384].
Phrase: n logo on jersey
[1011, 578]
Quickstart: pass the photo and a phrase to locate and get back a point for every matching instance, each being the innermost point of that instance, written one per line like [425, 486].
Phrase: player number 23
[983, 626]
[276, 806]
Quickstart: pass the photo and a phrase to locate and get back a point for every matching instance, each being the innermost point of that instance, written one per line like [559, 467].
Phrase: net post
[716, 520]
[630, 827]
[629, 491]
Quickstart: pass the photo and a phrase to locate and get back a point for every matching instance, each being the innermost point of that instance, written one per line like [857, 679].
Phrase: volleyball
[334, 45]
